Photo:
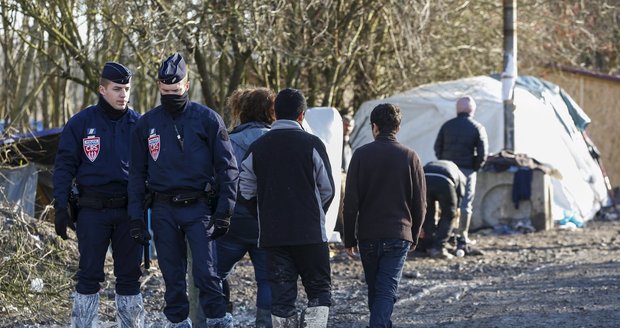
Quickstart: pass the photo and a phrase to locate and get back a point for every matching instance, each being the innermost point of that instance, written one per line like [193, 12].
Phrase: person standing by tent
[348, 123]
[445, 184]
[94, 151]
[182, 152]
[463, 140]
[287, 174]
[254, 109]
[384, 208]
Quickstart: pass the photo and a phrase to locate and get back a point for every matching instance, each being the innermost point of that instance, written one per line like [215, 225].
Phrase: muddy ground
[558, 278]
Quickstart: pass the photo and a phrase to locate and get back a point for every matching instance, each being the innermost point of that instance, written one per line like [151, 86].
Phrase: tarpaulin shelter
[548, 127]
[25, 176]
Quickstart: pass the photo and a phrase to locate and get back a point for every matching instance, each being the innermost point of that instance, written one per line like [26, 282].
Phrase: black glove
[62, 220]
[138, 232]
[220, 224]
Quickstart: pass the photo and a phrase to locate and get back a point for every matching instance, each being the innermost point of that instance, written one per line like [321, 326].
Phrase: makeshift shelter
[25, 175]
[548, 127]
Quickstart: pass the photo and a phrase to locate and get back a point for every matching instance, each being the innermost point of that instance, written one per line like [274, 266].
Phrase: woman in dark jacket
[253, 107]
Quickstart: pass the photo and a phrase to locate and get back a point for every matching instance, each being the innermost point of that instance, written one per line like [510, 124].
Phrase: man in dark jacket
[384, 207]
[445, 184]
[288, 174]
[463, 141]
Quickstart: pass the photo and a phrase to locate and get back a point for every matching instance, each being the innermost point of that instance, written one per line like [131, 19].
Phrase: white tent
[326, 123]
[544, 130]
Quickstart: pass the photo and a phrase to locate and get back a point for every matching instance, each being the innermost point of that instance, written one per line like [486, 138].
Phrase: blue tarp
[538, 87]
[18, 187]
[37, 146]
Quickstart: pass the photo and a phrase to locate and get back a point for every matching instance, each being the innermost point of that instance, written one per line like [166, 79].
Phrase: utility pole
[509, 75]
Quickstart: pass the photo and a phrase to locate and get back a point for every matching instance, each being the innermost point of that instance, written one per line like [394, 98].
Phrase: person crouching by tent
[445, 184]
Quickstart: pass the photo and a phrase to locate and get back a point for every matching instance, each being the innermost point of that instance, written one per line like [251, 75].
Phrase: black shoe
[469, 250]
[440, 253]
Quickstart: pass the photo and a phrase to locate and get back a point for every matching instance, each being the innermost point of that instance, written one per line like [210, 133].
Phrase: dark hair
[252, 105]
[386, 117]
[289, 104]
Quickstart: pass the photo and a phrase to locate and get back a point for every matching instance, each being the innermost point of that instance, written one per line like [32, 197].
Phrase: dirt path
[557, 278]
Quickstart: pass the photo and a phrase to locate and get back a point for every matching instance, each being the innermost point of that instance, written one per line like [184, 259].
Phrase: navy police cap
[172, 70]
[116, 73]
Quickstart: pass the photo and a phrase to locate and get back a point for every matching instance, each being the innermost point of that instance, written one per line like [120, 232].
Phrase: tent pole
[509, 75]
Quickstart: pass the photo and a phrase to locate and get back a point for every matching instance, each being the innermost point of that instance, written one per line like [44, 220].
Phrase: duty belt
[102, 202]
[185, 198]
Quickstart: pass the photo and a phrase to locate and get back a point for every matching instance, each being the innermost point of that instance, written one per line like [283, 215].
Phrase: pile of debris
[36, 270]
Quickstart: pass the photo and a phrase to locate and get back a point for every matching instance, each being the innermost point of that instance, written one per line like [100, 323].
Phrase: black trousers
[286, 263]
[439, 190]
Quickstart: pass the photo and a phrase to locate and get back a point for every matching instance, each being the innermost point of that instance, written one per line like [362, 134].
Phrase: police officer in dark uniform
[94, 154]
[182, 152]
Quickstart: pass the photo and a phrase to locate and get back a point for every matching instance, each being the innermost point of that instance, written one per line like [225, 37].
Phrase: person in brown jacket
[384, 208]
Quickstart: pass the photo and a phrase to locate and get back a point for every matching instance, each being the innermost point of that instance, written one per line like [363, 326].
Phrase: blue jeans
[467, 202]
[383, 261]
[230, 252]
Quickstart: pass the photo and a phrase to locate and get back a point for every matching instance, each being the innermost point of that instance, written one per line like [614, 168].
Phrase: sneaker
[440, 253]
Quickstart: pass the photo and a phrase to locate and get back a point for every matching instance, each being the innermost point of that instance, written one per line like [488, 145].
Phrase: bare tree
[340, 53]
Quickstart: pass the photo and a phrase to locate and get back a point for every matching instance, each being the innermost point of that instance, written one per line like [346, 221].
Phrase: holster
[148, 202]
[212, 199]
[73, 206]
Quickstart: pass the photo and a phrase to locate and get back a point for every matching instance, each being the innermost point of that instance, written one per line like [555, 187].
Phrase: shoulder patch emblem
[91, 146]
[154, 143]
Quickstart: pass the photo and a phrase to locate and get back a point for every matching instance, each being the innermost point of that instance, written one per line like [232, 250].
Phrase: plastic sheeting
[225, 322]
[18, 186]
[129, 311]
[187, 323]
[85, 311]
[545, 129]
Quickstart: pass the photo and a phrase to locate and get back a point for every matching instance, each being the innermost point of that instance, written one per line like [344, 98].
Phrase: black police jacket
[94, 150]
[184, 153]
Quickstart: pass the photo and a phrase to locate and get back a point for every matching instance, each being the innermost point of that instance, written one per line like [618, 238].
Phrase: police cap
[172, 70]
[116, 73]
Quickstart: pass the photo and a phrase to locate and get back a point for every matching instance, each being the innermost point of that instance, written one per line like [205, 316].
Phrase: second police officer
[180, 150]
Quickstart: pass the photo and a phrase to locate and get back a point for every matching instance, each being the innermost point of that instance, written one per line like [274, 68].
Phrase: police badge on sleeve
[91, 145]
[154, 142]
